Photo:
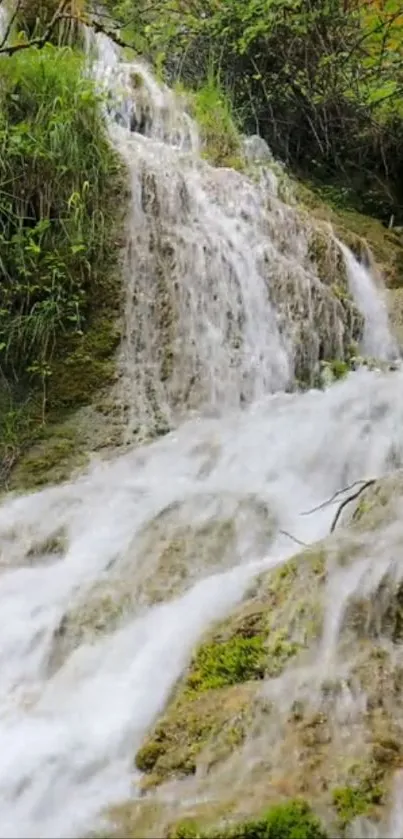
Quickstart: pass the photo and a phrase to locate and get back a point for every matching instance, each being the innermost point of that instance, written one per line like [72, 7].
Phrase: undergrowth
[288, 820]
[58, 227]
[212, 109]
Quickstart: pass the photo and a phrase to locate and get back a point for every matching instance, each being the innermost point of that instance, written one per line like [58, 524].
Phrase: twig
[59, 14]
[98, 27]
[10, 23]
[37, 42]
[330, 500]
[347, 501]
[294, 538]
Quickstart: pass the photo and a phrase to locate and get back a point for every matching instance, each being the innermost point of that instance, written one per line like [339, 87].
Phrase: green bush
[321, 82]
[55, 171]
[290, 820]
[59, 178]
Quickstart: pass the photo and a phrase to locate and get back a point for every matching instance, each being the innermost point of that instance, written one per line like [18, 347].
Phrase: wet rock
[321, 717]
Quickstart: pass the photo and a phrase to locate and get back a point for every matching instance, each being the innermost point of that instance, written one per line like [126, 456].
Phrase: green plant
[55, 169]
[351, 802]
[309, 77]
[58, 223]
[227, 663]
[213, 111]
[289, 820]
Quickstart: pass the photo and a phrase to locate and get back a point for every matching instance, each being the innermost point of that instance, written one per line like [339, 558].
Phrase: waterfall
[377, 339]
[108, 581]
[224, 302]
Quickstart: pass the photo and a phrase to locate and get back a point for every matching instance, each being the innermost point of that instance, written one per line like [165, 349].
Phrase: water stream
[79, 686]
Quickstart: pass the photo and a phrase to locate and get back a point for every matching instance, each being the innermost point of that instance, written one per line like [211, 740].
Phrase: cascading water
[108, 581]
[377, 340]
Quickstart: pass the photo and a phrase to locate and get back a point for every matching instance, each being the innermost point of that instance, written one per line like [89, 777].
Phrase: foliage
[58, 177]
[227, 663]
[351, 802]
[322, 82]
[212, 109]
[290, 820]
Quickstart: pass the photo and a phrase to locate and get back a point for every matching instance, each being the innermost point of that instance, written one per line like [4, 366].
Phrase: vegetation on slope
[322, 83]
[58, 243]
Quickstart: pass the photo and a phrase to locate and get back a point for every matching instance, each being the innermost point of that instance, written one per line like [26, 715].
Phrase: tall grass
[212, 108]
[59, 179]
[56, 167]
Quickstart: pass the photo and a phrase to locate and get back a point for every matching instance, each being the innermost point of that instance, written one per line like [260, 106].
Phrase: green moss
[227, 663]
[278, 652]
[339, 368]
[211, 723]
[351, 802]
[50, 460]
[289, 820]
[208, 713]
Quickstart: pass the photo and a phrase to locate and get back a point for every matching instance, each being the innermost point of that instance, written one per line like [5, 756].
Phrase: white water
[67, 740]
[69, 731]
[224, 302]
[377, 340]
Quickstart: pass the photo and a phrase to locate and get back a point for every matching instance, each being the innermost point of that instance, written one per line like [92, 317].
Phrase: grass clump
[59, 178]
[212, 110]
[289, 820]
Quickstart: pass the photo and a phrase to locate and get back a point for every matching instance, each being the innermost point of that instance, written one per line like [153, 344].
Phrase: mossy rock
[355, 230]
[203, 730]
[169, 554]
[50, 460]
[263, 636]
[285, 819]
[236, 740]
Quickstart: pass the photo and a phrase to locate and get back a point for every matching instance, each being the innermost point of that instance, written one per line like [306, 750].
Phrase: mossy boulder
[293, 819]
[264, 635]
[203, 730]
[170, 553]
[297, 694]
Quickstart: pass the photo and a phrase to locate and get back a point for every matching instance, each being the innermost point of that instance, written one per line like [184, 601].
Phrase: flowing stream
[98, 621]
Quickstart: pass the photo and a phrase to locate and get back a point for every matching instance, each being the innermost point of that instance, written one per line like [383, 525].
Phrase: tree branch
[330, 500]
[294, 538]
[364, 485]
[60, 14]
[37, 42]
[347, 501]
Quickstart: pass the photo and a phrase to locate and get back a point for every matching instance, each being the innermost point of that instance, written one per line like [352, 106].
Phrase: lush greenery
[212, 109]
[322, 82]
[58, 236]
[289, 820]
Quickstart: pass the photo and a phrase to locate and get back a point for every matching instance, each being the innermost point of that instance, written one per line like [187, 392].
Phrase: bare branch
[98, 27]
[294, 538]
[347, 501]
[330, 500]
